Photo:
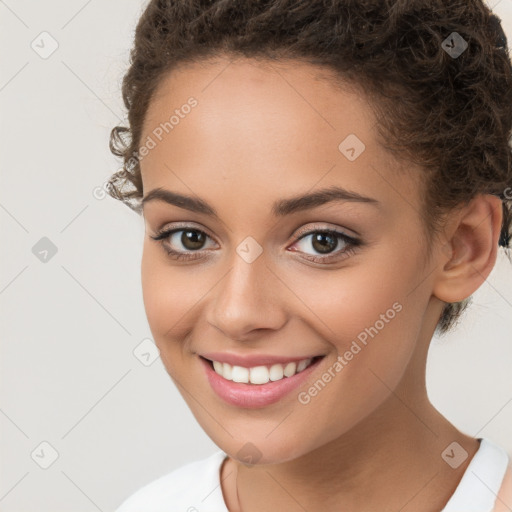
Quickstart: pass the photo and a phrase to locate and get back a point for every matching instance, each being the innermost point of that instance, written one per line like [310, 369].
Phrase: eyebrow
[280, 208]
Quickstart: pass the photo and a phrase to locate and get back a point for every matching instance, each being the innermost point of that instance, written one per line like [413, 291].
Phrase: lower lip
[254, 396]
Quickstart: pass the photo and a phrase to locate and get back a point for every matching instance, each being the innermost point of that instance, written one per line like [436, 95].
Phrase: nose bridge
[245, 299]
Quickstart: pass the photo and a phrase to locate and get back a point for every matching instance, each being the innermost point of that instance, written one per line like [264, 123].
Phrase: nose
[248, 298]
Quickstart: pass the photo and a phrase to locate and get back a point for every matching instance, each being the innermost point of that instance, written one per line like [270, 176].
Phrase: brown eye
[192, 239]
[182, 243]
[324, 242]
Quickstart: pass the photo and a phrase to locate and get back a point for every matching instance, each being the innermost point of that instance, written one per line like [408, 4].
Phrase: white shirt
[196, 487]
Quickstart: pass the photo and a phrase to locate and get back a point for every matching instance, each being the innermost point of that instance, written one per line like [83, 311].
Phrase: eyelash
[351, 244]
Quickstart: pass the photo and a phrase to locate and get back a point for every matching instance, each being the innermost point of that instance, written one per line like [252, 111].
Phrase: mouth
[260, 374]
[258, 386]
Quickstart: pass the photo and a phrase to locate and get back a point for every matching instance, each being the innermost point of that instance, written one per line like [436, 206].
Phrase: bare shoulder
[504, 499]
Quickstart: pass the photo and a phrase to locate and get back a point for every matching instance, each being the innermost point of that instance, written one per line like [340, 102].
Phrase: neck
[379, 465]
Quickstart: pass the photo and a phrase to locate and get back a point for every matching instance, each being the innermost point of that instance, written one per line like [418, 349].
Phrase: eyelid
[183, 225]
[305, 230]
[315, 227]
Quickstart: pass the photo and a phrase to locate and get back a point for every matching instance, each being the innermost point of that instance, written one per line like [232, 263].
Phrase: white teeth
[276, 372]
[259, 374]
[227, 371]
[302, 364]
[289, 369]
[240, 374]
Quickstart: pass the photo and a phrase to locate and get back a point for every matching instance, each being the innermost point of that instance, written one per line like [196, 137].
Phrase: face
[252, 276]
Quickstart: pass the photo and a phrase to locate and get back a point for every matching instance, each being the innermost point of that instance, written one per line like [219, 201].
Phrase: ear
[470, 249]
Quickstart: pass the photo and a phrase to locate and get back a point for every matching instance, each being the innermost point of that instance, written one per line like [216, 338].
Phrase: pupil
[319, 242]
[192, 239]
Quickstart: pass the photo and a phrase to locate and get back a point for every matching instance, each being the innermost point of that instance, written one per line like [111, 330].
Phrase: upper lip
[250, 360]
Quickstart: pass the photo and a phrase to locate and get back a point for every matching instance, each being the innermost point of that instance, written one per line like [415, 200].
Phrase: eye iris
[192, 239]
[322, 237]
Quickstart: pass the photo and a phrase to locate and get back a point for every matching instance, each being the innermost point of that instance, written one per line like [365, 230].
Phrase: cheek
[341, 304]
[373, 330]
[168, 295]
[369, 317]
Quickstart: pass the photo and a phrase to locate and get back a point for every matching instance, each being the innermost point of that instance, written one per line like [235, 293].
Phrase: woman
[323, 185]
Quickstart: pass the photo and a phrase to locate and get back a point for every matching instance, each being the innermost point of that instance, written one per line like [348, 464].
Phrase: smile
[260, 385]
[260, 374]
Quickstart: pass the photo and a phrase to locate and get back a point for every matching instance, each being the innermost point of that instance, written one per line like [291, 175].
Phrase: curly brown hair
[450, 114]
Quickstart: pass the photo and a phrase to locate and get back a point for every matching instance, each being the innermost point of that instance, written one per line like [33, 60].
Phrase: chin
[258, 451]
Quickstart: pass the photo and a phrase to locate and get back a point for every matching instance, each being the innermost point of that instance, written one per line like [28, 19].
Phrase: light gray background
[70, 325]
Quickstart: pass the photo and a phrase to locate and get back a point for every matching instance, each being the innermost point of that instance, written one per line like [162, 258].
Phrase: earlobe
[470, 252]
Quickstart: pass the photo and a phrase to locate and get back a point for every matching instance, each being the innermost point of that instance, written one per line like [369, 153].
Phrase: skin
[262, 132]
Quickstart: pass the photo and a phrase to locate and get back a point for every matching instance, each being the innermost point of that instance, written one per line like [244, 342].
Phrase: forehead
[260, 127]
